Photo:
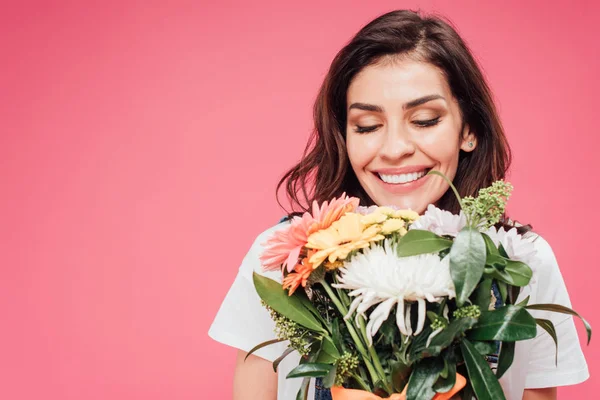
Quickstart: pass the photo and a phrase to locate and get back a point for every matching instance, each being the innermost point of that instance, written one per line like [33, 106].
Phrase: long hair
[324, 170]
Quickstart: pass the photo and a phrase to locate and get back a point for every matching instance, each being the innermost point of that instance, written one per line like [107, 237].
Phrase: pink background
[141, 143]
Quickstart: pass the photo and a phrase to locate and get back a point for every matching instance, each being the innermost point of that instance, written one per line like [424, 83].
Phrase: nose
[398, 142]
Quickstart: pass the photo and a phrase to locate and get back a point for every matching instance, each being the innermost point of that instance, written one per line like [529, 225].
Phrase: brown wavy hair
[324, 170]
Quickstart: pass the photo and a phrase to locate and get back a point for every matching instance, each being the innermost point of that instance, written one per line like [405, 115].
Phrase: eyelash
[420, 124]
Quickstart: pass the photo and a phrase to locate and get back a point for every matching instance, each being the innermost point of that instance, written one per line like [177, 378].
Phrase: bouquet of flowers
[401, 305]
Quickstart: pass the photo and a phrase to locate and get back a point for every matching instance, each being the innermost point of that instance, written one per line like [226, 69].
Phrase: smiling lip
[402, 188]
[402, 170]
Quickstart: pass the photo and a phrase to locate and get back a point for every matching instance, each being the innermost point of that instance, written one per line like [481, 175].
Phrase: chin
[404, 204]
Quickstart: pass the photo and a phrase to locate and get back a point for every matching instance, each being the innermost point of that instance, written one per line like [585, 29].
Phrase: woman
[403, 97]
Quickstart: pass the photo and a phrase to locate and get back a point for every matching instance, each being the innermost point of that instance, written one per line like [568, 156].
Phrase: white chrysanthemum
[364, 210]
[517, 247]
[440, 222]
[379, 276]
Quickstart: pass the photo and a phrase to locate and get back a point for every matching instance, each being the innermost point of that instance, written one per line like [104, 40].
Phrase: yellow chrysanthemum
[392, 225]
[342, 237]
[388, 211]
[373, 218]
[406, 214]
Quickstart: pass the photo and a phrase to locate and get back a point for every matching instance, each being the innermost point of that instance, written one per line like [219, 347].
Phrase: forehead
[397, 81]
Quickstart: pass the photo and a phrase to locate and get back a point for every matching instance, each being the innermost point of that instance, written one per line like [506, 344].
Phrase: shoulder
[544, 251]
[543, 261]
[548, 285]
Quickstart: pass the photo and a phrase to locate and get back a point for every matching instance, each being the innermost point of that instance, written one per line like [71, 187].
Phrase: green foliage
[488, 207]
[467, 261]
[417, 242]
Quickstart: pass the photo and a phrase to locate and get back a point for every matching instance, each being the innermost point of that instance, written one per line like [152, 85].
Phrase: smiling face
[403, 121]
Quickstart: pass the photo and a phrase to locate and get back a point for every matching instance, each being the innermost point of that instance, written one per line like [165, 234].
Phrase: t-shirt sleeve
[544, 369]
[242, 321]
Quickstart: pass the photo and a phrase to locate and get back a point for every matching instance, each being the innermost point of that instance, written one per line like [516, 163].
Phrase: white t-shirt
[242, 322]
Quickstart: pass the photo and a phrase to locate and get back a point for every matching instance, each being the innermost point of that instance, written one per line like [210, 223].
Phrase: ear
[468, 141]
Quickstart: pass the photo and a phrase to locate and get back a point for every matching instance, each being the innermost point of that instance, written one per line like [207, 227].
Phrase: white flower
[379, 276]
[440, 222]
[364, 210]
[517, 247]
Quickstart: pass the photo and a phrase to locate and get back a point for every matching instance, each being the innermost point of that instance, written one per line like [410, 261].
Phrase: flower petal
[400, 317]
[421, 319]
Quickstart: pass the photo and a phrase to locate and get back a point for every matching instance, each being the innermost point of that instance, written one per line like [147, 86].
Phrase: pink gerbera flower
[283, 248]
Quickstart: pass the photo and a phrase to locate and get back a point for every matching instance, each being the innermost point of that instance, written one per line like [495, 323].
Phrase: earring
[471, 144]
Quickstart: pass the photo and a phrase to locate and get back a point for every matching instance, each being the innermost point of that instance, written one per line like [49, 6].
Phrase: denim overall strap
[492, 359]
[321, 392]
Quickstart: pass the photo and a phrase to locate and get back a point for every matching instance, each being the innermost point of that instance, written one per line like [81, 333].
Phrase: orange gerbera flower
[300, 276]
[283, 248]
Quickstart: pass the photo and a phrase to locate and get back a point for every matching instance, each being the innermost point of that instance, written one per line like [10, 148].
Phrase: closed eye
[419, 123]
[365, 129]
[426, 123]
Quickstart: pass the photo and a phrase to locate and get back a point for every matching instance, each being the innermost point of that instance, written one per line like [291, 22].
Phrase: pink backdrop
[141, 143]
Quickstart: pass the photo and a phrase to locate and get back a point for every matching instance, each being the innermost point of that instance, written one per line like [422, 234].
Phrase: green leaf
[313, 370]
[490, 247]
[484, 382]
[515, 273]
[508, 323]
[496, 261]
[564, 310]
[524, 302]
[444, 373]
[309, 305]
[303, 392]
[281, 357]
[291, 307]
[417, 349]
[485, 348]
[507, 354]
[548, 326]
[503, 289]
[400, 374]
[325, 358]
[329, 347]
[418, 241]
[445, 384]
[329, 379]
[422, 379]
[328, 353]
[261, 345]
[467, 261]
[482, 296]
[447, 336]
[502, 251]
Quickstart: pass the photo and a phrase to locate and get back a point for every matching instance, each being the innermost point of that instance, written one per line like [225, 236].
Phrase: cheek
[361, 150]
[441, 146]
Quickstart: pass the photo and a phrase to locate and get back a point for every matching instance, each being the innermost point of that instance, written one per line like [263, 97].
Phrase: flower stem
[377, 364]
[375, 357]
[362, 383]
[357, 340]
[378, 374]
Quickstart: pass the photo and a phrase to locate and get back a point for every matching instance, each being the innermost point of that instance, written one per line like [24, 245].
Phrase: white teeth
[402, 178]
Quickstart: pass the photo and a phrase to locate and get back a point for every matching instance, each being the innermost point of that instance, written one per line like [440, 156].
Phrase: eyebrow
[406, 106]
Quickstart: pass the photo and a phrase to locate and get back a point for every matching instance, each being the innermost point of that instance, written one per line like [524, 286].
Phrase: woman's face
[402, 122]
